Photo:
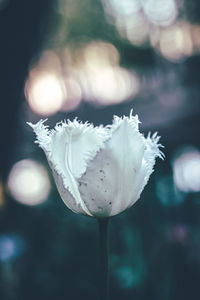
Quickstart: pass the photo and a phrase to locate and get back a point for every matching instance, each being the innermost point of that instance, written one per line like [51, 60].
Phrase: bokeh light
[175, 42]
[28, 182]
[100, 52]
[121, 8]
[109, 85]
[167, 193]
[162, 13]
[129, 19]
[74, 95]
[45, 89]
[96, 68]
[128, 277]
[92, 60]
[135, 28]
[186, 167]
[45, 93]
[195, 35]
[11, 246]
[135, 19]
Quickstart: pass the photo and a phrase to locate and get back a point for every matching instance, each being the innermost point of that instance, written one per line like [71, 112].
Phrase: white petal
[152, 151]
[99, 171]
[140, 182]
[107, 187]
[81, 143]
[42, 134]
[70, 146]
[66, 196]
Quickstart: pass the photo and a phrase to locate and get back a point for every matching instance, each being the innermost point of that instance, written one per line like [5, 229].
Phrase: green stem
[104, 262]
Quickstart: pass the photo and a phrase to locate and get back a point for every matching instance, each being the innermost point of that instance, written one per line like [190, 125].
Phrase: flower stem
[104, 261]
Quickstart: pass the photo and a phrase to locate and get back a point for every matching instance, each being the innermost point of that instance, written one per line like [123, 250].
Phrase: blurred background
[61, 59]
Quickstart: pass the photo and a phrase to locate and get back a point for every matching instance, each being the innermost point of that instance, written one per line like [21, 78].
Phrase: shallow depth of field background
[92, 59]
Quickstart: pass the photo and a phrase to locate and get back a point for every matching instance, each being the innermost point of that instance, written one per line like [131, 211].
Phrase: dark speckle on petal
[110, 203]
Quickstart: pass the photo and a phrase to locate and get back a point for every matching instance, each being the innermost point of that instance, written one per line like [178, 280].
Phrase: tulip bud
[99, 171]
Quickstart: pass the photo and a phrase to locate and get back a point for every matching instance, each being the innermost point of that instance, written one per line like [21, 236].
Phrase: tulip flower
[99, 171]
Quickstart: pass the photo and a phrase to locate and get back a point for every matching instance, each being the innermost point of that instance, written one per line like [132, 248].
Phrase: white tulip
[99, 171]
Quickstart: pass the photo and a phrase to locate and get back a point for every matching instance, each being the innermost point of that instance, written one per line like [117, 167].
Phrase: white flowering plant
[99, 171]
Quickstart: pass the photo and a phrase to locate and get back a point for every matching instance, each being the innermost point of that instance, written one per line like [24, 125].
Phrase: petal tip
[42, 134]
[153, 145]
